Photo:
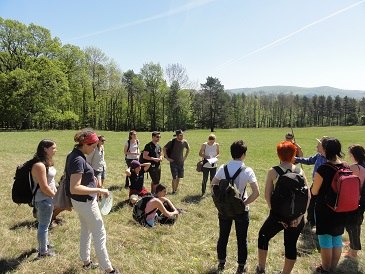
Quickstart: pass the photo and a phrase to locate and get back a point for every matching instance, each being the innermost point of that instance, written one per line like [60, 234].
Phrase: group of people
[328, 224]
[85, 171]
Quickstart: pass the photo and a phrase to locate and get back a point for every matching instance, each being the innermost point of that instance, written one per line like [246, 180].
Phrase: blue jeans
[241, 222]
[44, 216]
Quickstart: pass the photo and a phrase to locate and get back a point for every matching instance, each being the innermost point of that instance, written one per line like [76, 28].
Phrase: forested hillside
[45, 84]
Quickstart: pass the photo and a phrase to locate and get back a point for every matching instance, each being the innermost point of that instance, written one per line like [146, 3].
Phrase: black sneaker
[241, 269]
[49, 253]
[221, 267]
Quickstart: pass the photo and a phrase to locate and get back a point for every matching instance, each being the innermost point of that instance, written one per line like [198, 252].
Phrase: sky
[243, 43]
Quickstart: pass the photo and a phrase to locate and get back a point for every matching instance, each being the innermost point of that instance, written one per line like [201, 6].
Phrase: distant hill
[326, 91]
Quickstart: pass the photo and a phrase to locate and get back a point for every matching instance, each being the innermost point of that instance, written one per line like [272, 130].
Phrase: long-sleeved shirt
[317, 160]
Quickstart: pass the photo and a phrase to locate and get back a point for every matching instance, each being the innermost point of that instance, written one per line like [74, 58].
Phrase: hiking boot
[49, 253]
[241, 269]
[260, 271]
[90, 265]
[221, 267]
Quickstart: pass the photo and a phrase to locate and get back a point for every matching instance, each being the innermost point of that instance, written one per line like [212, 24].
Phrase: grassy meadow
[187, 247]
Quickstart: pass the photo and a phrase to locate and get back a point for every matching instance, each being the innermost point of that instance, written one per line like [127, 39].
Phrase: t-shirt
[212, 152]
[136, 180]
[77, 164]
[133, 148]
[153, 151]
[247, 176]
[177, 150]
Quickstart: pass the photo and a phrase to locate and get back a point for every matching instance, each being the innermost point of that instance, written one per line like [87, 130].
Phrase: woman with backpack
[330, 225]
[82, 185]
[161, 203]
[43, 174]
[276, 221]
[357, 156]
[131, 151]
[209, 150]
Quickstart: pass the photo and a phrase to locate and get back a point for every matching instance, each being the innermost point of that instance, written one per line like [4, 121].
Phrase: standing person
[97, 161]
[357, 156]
[136, 173]
[43, 173]
[209, 150]
[317, 160]
[83, 191]
[329, 224]
[246, 177]
[152, 154]
[289, 137]
[274, 223]
[131, 151]
[173, 152]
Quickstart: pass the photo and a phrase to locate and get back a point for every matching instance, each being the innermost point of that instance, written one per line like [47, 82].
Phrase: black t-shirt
[136, 180]
[153, 151]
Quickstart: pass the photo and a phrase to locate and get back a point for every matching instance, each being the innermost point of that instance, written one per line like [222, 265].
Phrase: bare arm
[317, 183]
[39, 172]
[78, 189]
[217, 151]
[201, 151]
[158, 204]
[146, 166]
[254, 195]
[269, 185]
[128, 172]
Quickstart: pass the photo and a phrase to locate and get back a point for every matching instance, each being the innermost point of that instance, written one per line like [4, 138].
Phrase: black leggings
[271, 227]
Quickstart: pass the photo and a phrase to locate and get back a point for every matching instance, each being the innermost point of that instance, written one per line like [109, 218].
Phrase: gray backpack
[226, 195]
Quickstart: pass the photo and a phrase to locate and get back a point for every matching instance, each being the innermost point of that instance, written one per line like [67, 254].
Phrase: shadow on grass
[120, 205]
[27, 224]
[193, 199]
[348, 266]
[7, 265]
[308, 243]
[115, 187]
[211, 271]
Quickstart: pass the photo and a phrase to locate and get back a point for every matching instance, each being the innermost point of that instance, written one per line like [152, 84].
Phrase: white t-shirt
[247, 176]
[212, 152]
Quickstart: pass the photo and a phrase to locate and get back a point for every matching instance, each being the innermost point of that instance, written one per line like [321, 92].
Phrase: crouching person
[241, 175]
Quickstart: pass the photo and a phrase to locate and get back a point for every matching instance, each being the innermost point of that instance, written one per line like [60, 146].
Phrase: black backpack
[290, 196]
[139, 207]
[170, 148]
[23, 187]
[227, 197]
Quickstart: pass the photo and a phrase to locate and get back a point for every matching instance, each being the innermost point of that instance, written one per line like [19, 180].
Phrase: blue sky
[244, 43]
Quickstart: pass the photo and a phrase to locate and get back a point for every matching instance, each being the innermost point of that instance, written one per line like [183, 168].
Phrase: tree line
[45, 84]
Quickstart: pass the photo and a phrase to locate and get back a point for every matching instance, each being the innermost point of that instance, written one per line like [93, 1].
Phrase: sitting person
[136, 173]
[159, 203]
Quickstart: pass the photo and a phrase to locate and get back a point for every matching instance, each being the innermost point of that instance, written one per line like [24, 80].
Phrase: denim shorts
[328, 241]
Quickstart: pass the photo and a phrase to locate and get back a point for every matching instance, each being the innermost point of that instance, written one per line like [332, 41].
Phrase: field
[187, 247]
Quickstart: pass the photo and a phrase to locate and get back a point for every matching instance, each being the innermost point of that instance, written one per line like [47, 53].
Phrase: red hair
[286, 151]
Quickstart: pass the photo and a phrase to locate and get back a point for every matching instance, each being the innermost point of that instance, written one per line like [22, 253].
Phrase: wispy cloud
[190, 6]
[288, 36]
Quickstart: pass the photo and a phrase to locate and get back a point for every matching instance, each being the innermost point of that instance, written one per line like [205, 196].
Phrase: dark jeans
[354, 231]
[241, 222]
[206, 172]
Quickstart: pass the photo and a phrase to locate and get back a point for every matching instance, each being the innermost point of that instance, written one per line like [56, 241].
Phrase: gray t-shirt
[177, 150]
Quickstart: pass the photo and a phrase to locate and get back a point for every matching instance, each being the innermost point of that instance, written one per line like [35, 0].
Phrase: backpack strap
[234, 176]
[278, 170]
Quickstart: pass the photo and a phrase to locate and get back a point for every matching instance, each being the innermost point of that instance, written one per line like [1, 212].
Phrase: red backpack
[344, 194]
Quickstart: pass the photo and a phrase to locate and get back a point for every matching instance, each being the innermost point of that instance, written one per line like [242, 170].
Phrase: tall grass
[187, 247]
